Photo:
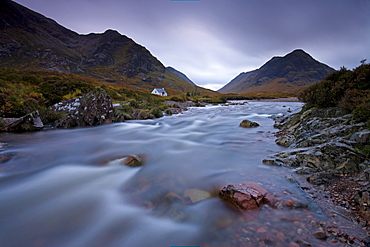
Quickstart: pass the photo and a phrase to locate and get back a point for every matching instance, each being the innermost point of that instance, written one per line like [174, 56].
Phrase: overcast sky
[212, 41]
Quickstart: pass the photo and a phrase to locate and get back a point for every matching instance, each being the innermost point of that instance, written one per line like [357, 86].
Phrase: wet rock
[171, 197]
[332, 155]
[323, 177]
[363, 199]
[248, 124]
[133, 160]
[285, 141]
[196, 195]
[327, 144]
[304, 243]
[29, 122]
[288, 203]
[293, 244]
[320, 235]
[361, 138]
[94, 108]
[261, 230]
[4, 156]
[245, 196]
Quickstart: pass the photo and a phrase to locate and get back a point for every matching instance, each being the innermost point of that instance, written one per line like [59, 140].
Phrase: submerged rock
[248, 124]
[196, 195]
[245, 196]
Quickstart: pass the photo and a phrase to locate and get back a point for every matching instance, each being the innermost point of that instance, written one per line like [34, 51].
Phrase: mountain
[179, 74]
[294, 71]
[32, 41]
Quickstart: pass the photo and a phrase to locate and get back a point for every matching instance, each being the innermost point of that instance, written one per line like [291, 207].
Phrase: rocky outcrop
[333, 150]
[29, 122]
[94, 108]
[320, 140]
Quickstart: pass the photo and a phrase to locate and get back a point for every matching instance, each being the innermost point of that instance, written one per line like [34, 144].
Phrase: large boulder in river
[94, 108]
[245, 196]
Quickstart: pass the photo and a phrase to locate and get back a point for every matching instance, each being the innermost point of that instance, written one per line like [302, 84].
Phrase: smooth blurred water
[60, 189]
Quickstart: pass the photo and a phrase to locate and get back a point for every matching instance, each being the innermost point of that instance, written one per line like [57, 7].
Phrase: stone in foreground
[245, 196]
[248, 124]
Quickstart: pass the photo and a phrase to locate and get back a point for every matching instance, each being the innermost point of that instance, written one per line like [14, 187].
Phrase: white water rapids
[55, 190]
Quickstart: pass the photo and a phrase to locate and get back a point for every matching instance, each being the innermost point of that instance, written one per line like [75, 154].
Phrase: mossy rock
[248, 124]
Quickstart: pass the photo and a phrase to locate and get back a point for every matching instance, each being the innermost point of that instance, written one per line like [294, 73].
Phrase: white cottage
[159, 91]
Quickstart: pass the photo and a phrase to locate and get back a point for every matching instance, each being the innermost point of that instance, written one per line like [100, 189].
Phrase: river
[64, 188]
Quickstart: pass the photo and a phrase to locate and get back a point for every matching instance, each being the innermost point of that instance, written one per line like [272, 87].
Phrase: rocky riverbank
[330, 152]
[91, 109]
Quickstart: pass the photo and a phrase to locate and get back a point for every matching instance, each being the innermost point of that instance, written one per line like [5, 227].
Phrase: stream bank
[329, 152]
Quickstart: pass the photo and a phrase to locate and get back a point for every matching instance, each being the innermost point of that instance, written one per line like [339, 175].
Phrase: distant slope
[179, 74]
[289, 73]
[31, 41]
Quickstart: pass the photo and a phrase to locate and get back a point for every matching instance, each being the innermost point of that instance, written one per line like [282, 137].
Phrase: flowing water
[64, 187]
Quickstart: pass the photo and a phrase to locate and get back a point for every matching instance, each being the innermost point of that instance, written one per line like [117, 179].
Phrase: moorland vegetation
[348, 89]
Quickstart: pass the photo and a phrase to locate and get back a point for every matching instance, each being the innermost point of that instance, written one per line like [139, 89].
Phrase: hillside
[292, 72]
[30, 41]
[180, 74]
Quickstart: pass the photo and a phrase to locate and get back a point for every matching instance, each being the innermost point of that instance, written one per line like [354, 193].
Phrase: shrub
[127, 109]
[133, 103]
[344, 88]
[163, 106]
[29, 105]
[145, 114]
[48, 116]
[168, 112]
[157, 113]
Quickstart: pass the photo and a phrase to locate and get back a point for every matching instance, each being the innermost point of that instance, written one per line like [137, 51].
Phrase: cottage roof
[160, 90]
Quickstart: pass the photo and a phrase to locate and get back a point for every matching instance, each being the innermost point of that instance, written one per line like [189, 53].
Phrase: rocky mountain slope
[294, 71]
[180, 74]
[31, 41]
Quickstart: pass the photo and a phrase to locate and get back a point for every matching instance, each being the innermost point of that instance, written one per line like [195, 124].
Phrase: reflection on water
[58, 187]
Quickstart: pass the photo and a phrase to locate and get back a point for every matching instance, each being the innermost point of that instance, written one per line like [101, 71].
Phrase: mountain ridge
[291, 72]
[179, 74]
[32, 41]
